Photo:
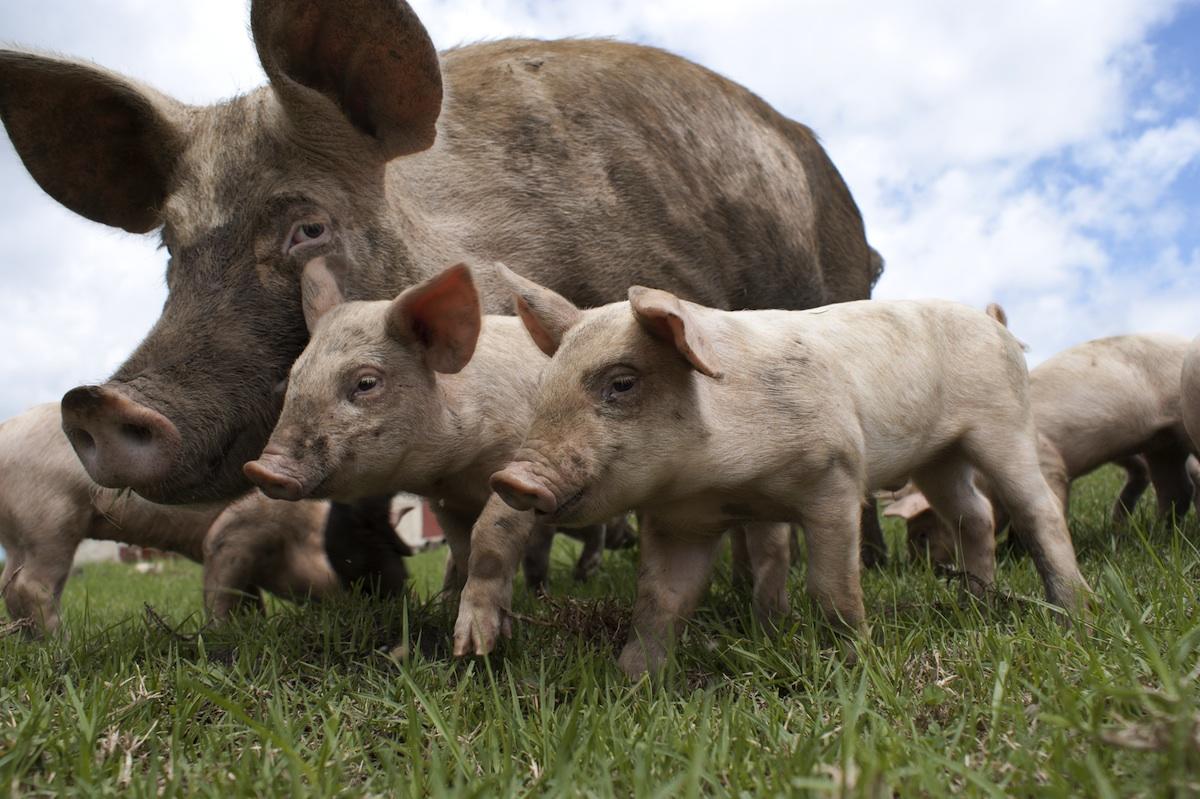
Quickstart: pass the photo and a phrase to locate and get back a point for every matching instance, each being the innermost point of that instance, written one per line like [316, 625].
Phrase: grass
[948, 696]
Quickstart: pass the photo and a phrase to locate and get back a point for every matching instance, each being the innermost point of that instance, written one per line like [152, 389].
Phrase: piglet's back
[899, 371]
[1108, 395]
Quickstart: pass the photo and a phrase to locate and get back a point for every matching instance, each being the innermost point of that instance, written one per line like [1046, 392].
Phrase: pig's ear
[372, 58]
[908, 507]
[996, 311]
[665, 317]
[99, 144]
[319, 291]
[546, 315]
[442, 316]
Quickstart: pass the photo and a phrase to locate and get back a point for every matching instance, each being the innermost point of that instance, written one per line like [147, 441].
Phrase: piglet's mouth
[279, 477]
[564, 508]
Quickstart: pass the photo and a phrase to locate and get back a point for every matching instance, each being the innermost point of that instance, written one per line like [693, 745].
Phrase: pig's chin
[571, 512]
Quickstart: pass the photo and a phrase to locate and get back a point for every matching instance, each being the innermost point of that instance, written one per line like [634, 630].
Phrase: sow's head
[243, 193]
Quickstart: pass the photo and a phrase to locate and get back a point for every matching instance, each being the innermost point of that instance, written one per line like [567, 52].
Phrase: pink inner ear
[544, 341]
[319, 291]
[665, 318]
[443, 316]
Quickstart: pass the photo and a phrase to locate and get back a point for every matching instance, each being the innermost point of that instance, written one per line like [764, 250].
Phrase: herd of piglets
[562, 417]
[702, 422]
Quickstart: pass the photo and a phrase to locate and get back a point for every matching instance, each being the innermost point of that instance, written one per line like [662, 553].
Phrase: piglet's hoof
[481, 622]
[638, 660]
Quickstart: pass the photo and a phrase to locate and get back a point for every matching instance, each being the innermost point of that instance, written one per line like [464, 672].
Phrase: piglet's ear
[546, 315]
[442, 316]
[319, 291]
[996, 311]
[665, 317]
[908, 507]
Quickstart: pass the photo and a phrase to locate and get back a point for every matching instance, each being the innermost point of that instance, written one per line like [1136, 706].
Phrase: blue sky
[1046, 155]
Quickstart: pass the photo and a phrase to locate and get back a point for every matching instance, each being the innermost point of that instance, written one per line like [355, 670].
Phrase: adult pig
[587, 165]
[683, 395]
[48, 506]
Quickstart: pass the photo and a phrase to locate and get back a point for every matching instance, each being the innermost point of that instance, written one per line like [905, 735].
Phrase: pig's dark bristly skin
[562, 158]
[363, 547]
[680, 395]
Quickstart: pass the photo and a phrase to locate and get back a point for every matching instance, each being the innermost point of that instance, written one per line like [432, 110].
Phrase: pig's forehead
[234, 161]
[352, 331]
[601, 334]
[351, 326]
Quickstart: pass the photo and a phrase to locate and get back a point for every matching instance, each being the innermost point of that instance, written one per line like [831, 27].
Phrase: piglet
[48, 505]
[721, 417]
[1190, 397]
[1112, 400]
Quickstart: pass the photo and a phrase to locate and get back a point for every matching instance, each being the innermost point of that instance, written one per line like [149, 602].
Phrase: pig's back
[1105, 398]
[908, 377]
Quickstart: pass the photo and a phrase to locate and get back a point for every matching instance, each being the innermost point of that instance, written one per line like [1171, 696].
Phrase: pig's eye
[364, 384]
[619, 387]
[307, 233]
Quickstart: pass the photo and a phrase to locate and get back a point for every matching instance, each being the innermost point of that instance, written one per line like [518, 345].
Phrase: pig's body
[1190, 395]
[834, 387]
[1112, 400]
[48, 505]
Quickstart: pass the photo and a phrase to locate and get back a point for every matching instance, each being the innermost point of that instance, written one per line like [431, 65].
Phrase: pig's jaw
[280, 476]
[566, 514]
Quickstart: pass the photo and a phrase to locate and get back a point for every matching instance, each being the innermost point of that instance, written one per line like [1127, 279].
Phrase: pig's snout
[522, 490]
[271, 473]
[121, 443]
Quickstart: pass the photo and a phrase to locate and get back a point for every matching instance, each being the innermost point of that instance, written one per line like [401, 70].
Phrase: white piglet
[717, 418]
[48, 505]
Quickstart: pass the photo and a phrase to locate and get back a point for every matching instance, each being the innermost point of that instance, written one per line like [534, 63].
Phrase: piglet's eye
[364, 384]
[619, 388]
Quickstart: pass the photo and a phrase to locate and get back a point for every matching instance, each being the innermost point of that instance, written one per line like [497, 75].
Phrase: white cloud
[1016, 152]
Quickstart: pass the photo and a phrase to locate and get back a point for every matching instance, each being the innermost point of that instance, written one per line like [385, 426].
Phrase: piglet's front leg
[672, 575]
[498, 542]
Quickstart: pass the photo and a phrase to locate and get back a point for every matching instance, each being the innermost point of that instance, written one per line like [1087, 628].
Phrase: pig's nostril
[82, 440]
[137, 434]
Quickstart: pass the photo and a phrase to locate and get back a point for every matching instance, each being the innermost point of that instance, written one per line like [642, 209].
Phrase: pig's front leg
[1137, 480]
[592, 555]
[761, 555]
[831, 534]
[33, 581]
[497, 546]
[672, 574]
[536, 562]
[457, 529]
[768, 547]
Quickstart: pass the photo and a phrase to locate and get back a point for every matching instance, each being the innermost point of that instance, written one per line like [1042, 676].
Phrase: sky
[1045, 155]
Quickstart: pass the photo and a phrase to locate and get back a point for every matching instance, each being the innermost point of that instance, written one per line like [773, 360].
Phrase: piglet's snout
[522, 490]
[272, 475]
